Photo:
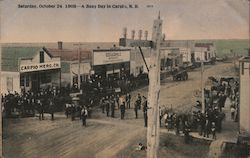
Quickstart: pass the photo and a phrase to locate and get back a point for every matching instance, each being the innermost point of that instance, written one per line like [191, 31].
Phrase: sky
[182, 19]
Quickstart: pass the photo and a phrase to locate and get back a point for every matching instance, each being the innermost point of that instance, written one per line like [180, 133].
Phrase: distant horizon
[118, 41]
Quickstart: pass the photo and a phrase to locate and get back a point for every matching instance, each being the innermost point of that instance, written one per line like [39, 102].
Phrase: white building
[112, 62]
[186, 55]
[204, 52]
[245, 96]
[28, 69]
[85, 71]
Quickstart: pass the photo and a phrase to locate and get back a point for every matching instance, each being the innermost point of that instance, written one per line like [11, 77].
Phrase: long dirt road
[104, 137]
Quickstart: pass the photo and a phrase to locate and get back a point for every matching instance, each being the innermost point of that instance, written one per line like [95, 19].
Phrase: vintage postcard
[125, 79]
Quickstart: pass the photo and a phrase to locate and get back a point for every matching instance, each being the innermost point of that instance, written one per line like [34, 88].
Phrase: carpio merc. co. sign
[39, 66]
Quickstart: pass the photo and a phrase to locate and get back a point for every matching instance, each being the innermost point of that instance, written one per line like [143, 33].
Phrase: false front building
[29, 69]
[111, 63]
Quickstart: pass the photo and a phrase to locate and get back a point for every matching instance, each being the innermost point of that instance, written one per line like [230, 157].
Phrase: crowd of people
[29, 103]
[209, 122]
[110, 103]
[205, 123]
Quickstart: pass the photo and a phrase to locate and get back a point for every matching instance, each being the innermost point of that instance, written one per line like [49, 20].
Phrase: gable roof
[11, 55]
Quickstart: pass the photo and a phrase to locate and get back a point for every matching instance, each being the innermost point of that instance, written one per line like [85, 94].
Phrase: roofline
[118, 49]
[245, 59]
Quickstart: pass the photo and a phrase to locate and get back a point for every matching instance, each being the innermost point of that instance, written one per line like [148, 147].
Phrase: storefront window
[9, 83]
[45, 78]
[21, 80]
[27, 81]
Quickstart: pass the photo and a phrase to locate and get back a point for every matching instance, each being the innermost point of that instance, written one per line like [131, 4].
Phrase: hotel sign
[40, 66]
[110, 57]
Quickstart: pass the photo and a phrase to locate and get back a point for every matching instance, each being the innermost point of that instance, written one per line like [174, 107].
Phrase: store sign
[110, 57]
[39, 66]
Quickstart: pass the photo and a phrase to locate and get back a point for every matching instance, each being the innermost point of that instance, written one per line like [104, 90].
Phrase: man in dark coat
[51, 108]
[112, 103]
[84, 114]
[122, 107]
[145, 111]
[40, 109]
[136, 109]
[107, 104]
[102, 102]
[72, 111]
[128, 98]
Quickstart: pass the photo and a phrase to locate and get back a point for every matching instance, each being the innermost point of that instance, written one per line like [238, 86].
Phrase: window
[21, 80]
[27, 78]
[41, 57]
[10, 83]
[24, 81]
[45, 77]
[242, 68]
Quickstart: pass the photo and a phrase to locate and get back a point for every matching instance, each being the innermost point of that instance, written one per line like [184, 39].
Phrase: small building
[170, 57]
[186, 56]
[204, 52]
[244, 119]
[84, 68]
[29, 69]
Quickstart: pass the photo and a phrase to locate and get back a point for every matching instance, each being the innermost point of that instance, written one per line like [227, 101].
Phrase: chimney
[164, 37]
[146, 35]
[125, 32]
[60, 45]
[133, 34]
[140, 34]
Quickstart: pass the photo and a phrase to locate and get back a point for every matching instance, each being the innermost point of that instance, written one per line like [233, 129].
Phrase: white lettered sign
[110, 57]
[40, 66]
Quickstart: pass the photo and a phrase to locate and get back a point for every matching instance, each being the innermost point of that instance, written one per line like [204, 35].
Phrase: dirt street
[105, 137]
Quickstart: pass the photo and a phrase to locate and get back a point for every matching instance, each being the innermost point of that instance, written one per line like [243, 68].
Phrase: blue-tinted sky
[183, 19]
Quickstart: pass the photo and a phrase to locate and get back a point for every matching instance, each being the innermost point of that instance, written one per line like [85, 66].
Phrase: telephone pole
[79, 65]
[154, 91]
[202, 88]
[203, 108]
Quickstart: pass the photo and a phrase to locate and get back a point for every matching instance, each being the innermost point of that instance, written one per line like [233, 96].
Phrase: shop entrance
[35, 82]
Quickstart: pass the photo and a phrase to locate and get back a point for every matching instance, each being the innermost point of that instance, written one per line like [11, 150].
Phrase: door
[35, 82]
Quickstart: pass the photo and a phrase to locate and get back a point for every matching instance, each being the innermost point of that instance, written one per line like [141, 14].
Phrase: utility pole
[1, 127]
[79, 65]
[202, 84]
[154, 92]
[202, 88]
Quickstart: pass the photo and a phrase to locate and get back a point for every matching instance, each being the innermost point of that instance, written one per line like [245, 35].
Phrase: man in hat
[128, 98]
[107, 103]
[145, 111]
[122, 107]
[136, 108]
[112, 104]
[84, 114]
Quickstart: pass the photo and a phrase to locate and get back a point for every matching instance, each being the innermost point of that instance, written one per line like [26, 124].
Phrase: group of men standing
[28, 103]
[110, 103]
[141, 102]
